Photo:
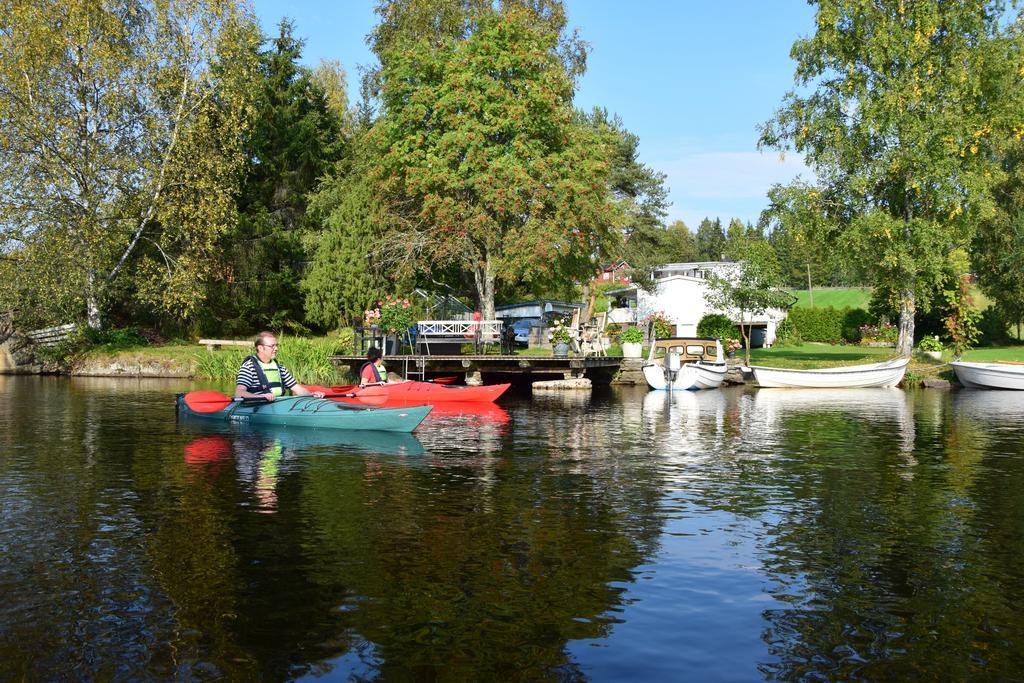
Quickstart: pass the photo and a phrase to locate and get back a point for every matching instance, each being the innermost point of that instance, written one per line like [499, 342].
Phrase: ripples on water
[725, 535]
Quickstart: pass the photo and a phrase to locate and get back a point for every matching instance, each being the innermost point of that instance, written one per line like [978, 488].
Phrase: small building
[541, 309]
[614, 272]
[678, 294]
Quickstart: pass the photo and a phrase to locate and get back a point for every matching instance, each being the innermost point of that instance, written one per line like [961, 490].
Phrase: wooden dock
[492, 368]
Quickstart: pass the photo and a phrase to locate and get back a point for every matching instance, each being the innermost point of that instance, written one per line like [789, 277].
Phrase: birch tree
[901, 109]
[120, 124]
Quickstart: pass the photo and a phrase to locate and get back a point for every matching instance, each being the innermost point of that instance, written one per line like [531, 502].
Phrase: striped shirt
[248, 378]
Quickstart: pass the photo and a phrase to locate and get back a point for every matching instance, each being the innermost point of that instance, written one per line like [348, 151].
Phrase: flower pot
[632, 350]
[561, 350]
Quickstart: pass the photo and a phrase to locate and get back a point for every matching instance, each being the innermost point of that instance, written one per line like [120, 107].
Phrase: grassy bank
[838, 297]
[815, 355]
[306, 358]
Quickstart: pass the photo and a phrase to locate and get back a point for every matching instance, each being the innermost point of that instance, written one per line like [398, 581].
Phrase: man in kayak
[261, 376]
[373, 370]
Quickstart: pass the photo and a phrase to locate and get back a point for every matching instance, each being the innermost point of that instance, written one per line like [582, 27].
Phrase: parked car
[522, 329]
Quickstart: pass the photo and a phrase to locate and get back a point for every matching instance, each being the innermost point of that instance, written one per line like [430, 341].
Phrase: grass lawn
[815, 355]
[184, 353]
[837, 297]
[1014, 353]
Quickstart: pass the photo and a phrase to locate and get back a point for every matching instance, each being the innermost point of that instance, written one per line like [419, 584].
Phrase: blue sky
[692, 79]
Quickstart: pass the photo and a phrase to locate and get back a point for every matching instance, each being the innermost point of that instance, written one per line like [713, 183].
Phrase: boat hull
[989, 375]
[428, 392]
[303, 411]
[888, 374]
[690, 377]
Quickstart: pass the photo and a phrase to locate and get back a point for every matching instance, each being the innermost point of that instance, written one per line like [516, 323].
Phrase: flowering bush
[662, 326]
[395, 314]
[882, 333]
[371, 316]
[559, 333]
[732, 345]
[931, 343]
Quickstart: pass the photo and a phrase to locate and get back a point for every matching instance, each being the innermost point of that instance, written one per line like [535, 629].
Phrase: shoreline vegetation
[309, 359]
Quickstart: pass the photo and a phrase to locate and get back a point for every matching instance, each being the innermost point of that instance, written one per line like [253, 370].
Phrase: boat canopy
[689, 349]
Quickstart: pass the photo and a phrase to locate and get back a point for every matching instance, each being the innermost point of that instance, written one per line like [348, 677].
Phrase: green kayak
[300, 411]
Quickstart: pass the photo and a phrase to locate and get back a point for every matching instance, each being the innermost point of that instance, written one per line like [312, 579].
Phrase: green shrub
[113, 339]
[853, 320]
[717, 326]
[631, 335]
[993, 327]
[817, 324]
[307, 359]
[828, 324]
[786, 334]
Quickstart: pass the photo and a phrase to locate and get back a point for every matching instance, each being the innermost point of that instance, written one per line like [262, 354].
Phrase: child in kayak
[373, 370]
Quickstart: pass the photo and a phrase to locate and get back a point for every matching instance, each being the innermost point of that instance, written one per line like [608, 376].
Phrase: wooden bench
[214, 344]
[447, 335]
[51, 336]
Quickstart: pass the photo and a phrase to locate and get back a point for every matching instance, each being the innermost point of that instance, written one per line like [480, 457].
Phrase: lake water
[730, 535]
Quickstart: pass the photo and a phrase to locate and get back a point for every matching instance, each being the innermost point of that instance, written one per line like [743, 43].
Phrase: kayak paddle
[215, 401]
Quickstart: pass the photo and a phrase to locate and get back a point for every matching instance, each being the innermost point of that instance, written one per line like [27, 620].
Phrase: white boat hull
[888, 374]
[989, 375]
[690, 376]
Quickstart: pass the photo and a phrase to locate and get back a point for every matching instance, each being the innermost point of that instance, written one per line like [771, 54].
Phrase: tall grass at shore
[307, 359]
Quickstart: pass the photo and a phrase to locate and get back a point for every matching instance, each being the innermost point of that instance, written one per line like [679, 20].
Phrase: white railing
[475, 332]
[467, 329]
[51, 336]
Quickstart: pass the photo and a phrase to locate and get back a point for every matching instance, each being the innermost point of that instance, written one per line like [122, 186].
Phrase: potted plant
[560, 337]
[395, 317]
[632, 342]
[732, 346]
[931, 347]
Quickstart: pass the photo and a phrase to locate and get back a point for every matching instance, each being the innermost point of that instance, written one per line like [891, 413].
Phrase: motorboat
[1004, 375]
[887, 374]
[685, 363]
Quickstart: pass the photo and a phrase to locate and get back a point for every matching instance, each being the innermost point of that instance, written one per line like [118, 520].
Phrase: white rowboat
[989, 375]
[887, 374]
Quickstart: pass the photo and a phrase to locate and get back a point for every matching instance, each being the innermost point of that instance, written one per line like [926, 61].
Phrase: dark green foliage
[343, 280]
[717, 326]
[295, 140]
[998, 247]
[994, 327]
[113, 339]
[786, 334]
[710, 240]
[829, 325]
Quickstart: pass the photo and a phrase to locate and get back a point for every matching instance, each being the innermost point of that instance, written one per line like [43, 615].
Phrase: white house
[679, 290]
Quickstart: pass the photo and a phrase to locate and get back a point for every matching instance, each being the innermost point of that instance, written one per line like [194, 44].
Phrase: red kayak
[420, 392]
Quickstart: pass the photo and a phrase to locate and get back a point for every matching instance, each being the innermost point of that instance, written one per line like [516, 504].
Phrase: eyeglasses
[269, 346]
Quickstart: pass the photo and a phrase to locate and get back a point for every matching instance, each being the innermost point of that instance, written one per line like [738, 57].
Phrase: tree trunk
[905, 341]
[746, 342]
[483, 278]
[92, 306]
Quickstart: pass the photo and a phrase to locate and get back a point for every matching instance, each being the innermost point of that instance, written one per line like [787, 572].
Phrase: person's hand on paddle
[318, 394]
[269, 396]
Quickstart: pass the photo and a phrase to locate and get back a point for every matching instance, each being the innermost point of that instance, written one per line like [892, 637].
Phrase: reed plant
[307, 359]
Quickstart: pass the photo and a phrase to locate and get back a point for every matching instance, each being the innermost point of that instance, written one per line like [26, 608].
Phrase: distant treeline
[170, 166]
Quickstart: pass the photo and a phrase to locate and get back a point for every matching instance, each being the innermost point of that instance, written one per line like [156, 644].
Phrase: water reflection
[716, 535]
